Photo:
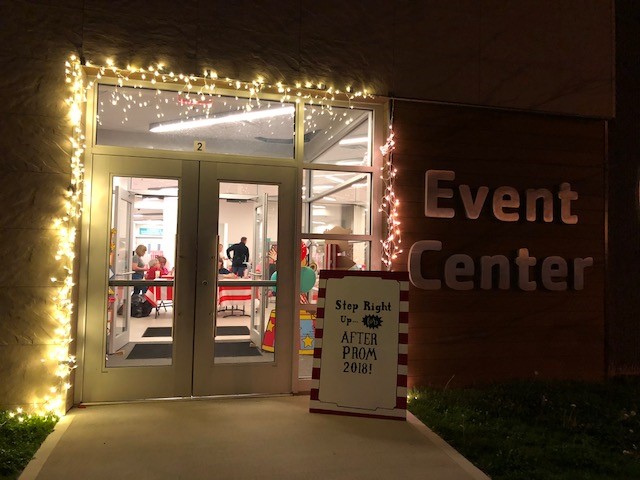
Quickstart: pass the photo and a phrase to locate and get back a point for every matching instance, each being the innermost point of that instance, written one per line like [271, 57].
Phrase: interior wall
[239, 217]
[532, 54]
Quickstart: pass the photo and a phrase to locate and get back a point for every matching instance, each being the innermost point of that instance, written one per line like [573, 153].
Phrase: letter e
[432, 192]
[506, 197]
[452, 271]
[554, 267]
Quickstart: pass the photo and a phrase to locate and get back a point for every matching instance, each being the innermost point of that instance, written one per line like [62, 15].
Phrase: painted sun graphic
[372, 321]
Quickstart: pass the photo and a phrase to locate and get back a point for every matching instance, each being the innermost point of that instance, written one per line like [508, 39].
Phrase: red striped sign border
[400, 410]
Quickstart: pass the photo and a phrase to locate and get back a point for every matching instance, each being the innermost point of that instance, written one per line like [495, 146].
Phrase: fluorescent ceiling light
[149, 203]
[168, 191]
[198, 122]
[353, 141]
[237, 196]
[148, 222]
[350, 162]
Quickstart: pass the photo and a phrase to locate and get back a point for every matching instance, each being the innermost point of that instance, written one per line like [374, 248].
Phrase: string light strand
[389, 204]
[195, 92]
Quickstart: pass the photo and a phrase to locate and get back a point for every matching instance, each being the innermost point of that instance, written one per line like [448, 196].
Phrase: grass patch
[540, 430]
[19, 441]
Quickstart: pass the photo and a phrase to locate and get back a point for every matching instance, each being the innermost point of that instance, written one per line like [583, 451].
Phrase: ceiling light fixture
[353, 141]
[350, 162]
[198, 122]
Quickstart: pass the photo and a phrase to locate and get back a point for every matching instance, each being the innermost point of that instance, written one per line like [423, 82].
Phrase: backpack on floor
[140, 307]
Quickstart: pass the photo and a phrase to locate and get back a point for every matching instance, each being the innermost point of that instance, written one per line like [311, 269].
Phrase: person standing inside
[221, 258]
[139, 268]
[240, 256]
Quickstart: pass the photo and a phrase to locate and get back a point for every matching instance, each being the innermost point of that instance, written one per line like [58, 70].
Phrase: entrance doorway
[169, 313]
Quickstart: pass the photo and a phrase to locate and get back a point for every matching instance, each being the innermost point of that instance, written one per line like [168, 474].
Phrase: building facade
[519, 234]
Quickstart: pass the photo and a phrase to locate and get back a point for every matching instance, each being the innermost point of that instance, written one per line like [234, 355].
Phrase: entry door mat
[150, 350]
[238, 330]
[158, 332]
[235, 349]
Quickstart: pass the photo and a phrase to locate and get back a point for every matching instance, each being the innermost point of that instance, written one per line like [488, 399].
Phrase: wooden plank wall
[482, 336]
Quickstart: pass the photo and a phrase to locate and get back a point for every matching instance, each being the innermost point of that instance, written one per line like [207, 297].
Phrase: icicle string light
[389, 205]
[196, 94]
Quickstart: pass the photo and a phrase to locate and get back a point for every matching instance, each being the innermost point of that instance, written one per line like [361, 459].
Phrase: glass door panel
[236, 346]
[179, 327]
[243, 305]
[141, 273]
[258, 325]
[119, 265]
[135, 344]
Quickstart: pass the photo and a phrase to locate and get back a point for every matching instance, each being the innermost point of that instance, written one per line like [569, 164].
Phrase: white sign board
[360, 356]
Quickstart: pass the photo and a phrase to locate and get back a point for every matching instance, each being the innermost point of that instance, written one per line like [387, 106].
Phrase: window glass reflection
[336, 202]
[244, 324]
[142, 246]
[169, 120]
[340, 136]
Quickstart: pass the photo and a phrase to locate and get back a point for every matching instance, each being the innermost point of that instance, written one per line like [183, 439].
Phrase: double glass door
[190, 263]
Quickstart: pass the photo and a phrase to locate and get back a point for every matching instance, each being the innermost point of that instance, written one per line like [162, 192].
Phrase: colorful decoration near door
[307, 329]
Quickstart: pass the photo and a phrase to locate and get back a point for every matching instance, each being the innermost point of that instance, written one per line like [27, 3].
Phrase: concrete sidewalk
[240, 438]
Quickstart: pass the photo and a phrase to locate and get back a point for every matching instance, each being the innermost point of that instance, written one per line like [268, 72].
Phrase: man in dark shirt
[240, 256]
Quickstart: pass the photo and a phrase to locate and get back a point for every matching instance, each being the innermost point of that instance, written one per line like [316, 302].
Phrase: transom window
[170, 120]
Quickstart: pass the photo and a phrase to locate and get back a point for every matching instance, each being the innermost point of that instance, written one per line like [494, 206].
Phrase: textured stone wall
[34, 166]
[531, 54]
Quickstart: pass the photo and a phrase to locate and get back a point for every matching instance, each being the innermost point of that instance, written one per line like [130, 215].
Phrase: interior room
[336, 202]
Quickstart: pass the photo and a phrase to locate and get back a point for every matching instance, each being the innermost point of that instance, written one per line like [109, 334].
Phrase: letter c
[415, 260]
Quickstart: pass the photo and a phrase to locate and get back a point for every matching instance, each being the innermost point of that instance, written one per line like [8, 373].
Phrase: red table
[231, 298]
[160, 296]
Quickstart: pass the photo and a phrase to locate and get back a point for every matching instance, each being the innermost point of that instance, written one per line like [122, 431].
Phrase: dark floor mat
[158, 332]
[241, 330]
[235, 349]
[150, 350]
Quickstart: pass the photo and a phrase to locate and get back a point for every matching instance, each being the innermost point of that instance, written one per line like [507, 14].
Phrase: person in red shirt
[162, 266]
[153, 268]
